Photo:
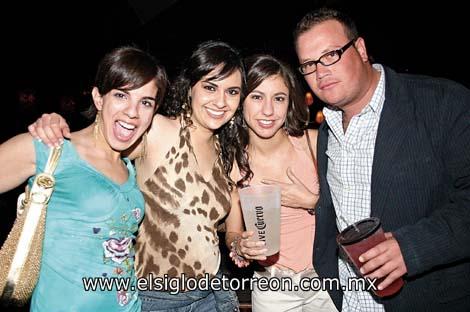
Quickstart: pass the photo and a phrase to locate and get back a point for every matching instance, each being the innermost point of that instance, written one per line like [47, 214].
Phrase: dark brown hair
[129, 68]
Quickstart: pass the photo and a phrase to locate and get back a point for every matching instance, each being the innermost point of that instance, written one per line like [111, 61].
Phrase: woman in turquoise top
[96, 207]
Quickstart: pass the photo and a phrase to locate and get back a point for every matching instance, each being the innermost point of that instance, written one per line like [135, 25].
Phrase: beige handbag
[21, 253]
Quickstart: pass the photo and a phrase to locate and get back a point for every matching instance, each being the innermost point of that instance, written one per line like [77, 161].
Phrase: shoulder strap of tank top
[311, 211]
[310, 148]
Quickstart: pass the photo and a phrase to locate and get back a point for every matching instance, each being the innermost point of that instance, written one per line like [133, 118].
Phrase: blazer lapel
[391, 133]
[325, 206]
[322, 159]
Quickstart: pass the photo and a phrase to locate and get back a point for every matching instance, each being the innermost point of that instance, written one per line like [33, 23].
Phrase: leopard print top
[182, 211]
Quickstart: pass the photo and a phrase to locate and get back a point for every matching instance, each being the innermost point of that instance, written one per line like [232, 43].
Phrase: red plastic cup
[356, 239]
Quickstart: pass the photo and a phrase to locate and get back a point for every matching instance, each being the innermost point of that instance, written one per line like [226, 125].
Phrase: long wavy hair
[208, 56]
[259, 68]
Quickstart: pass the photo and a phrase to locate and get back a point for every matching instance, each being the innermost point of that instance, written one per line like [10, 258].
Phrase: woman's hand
[50, 129]
[249, 249]
[294, 194]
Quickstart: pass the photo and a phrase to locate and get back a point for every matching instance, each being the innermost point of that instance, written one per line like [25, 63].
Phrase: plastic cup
[261, 206]
[359, 237]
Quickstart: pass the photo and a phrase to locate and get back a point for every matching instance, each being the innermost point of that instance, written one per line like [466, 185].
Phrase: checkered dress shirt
[350, 155]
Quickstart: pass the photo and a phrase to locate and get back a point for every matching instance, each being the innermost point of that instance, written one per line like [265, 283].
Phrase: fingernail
[361, 259]
[362, 270]
[39, 139]
[380, 287]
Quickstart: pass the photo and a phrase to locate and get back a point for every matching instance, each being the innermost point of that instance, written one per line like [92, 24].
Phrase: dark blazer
[420, 190]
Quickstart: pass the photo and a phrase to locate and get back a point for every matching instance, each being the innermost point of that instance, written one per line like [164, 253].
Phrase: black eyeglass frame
[339, 51]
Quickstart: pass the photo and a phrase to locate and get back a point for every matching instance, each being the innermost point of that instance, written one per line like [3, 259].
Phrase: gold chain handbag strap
[36, 199]
[53, 160]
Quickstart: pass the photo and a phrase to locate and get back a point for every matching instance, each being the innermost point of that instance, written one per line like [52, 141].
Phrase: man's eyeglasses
[326, 59]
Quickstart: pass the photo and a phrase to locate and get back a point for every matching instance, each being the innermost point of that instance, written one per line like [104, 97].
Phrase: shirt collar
[377, 100]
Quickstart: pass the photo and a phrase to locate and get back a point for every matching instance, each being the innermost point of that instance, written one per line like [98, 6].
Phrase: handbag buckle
[45, 181]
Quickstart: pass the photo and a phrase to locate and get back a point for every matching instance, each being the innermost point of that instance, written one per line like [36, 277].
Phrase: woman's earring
[144, 145]
[231, 123]
[96, 128]
[188, 105]
[186, 109]
[187, 112]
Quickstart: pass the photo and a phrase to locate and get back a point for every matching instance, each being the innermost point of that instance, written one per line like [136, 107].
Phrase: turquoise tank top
[89, 239]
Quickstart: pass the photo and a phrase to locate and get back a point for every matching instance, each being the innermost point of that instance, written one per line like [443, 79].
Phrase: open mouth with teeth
[124, 131]
[264, 123]
[217, 114]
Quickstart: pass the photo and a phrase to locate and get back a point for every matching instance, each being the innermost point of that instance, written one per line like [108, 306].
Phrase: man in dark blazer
[414, 136]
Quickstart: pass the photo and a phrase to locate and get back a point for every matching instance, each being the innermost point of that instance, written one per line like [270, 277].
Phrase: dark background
[51, 50]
